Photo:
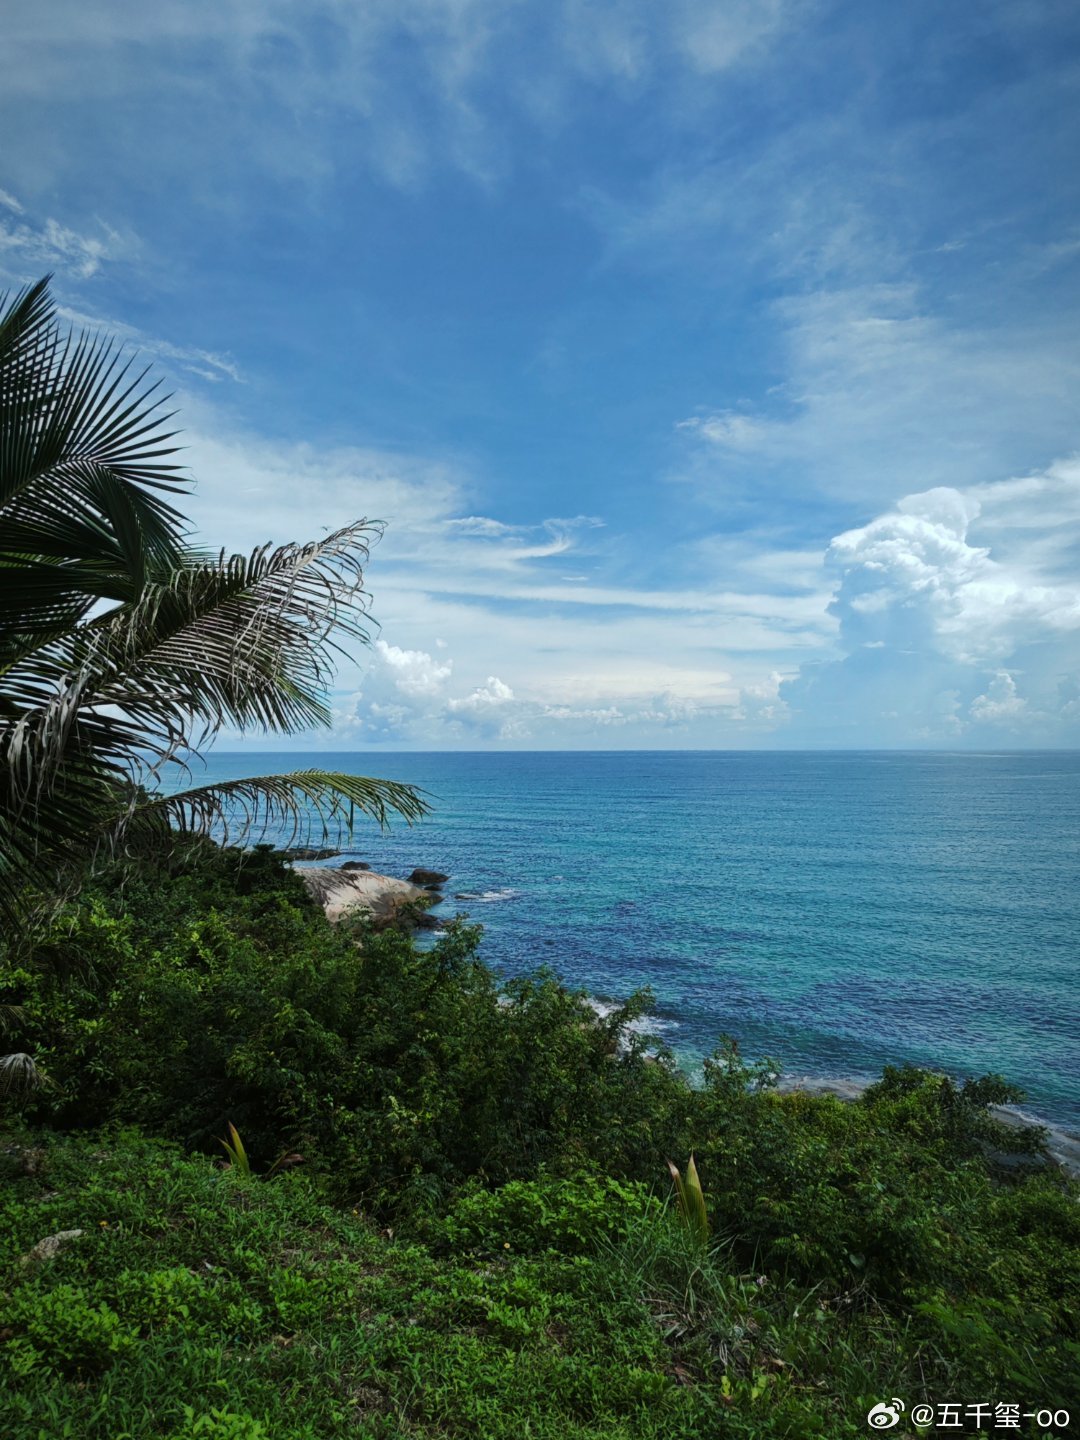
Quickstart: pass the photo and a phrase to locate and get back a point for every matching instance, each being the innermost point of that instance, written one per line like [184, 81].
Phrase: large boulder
[383, 897]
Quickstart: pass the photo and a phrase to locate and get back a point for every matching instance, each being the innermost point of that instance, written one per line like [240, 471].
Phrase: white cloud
[881, 398]
[915, 574]
[944, 637]
[414, 672]
[28, 249]
[203, 363]
[1002, 703]
[480, 525]
[484, 698]
[728, 429]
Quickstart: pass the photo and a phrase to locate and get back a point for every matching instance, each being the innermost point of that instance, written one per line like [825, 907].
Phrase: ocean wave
[488, 897]
[646, 1025]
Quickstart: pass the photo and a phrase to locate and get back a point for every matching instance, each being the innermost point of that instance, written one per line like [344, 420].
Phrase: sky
[713, 365]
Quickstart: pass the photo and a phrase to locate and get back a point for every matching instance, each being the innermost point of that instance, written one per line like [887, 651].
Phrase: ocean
[835, 911]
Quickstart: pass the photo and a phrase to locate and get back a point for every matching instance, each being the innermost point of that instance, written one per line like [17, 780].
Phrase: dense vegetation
[480, 1238]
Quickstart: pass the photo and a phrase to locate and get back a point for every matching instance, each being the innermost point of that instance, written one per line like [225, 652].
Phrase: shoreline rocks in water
[429, 879]
[338, 889]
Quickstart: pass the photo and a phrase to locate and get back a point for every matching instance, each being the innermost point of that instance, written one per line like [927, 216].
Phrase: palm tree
[123, 649]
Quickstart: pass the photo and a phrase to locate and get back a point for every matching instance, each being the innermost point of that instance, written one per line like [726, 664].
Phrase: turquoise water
[836, 911]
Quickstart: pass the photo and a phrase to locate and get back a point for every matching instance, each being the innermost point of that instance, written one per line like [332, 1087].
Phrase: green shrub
[570, 1216]
[876, 1247]
[397, 1073]
[61, 1330]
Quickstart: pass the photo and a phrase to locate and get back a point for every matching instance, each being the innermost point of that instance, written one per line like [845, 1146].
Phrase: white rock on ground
[49, 1248]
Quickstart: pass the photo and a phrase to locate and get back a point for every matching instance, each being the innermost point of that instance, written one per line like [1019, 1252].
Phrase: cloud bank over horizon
[711, 368]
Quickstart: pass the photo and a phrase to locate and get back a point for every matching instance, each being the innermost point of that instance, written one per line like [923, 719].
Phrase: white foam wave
[488, 897]
[646, 1025]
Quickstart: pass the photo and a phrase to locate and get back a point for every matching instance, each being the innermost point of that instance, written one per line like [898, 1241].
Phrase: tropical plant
[690, 1203]
[123, 649]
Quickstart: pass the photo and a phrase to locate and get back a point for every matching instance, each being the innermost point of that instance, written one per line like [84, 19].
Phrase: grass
[202, 1303]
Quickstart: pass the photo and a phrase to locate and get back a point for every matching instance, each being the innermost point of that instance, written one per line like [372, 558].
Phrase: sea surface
[836, 911]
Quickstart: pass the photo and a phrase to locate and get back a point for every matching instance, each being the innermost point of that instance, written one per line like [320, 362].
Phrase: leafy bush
[530, 1216]
[858, 1249]
[188, 1000]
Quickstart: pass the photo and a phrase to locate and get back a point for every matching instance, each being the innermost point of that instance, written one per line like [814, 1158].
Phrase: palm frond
[299, 806]
[96, 702]
[19, 1075]
[241, 640]
[84, 466]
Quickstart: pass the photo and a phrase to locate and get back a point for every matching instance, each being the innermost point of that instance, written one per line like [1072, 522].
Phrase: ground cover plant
[482, 1235]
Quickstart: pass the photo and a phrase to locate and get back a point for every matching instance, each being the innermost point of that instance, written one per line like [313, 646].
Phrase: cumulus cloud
[914, 576]
[413, 672]
[409, 698]
[949, 626]
[1002, 703]
[484, 698]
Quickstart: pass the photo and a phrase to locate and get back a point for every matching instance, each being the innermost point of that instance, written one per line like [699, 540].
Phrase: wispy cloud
[27, 249]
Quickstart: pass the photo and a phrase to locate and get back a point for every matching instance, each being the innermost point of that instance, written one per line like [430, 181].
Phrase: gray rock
[430, 879]
[50, 1247]
[338, 890]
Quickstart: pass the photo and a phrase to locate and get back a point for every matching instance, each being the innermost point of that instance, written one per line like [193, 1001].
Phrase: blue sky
[714, 366]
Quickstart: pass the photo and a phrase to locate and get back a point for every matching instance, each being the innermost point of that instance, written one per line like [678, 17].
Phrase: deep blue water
[835, 910]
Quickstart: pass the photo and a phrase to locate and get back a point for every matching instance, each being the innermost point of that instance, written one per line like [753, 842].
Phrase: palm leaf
[83, 461]
[95, 703]
[243, 640]
[300, 806]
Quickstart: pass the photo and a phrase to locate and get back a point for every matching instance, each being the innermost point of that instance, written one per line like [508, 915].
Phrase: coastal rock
[304, 852]
[356, 865]
[426, 921]
[430, 879]
[338, 890]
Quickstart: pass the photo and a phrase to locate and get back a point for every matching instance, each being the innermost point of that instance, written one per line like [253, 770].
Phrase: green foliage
[398, 1073]
[61, 1330]
[532, 1216]
[219, 1424]
[903, 1244]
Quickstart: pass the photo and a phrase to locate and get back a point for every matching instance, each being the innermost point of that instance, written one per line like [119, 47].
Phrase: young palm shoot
[690, 1203]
